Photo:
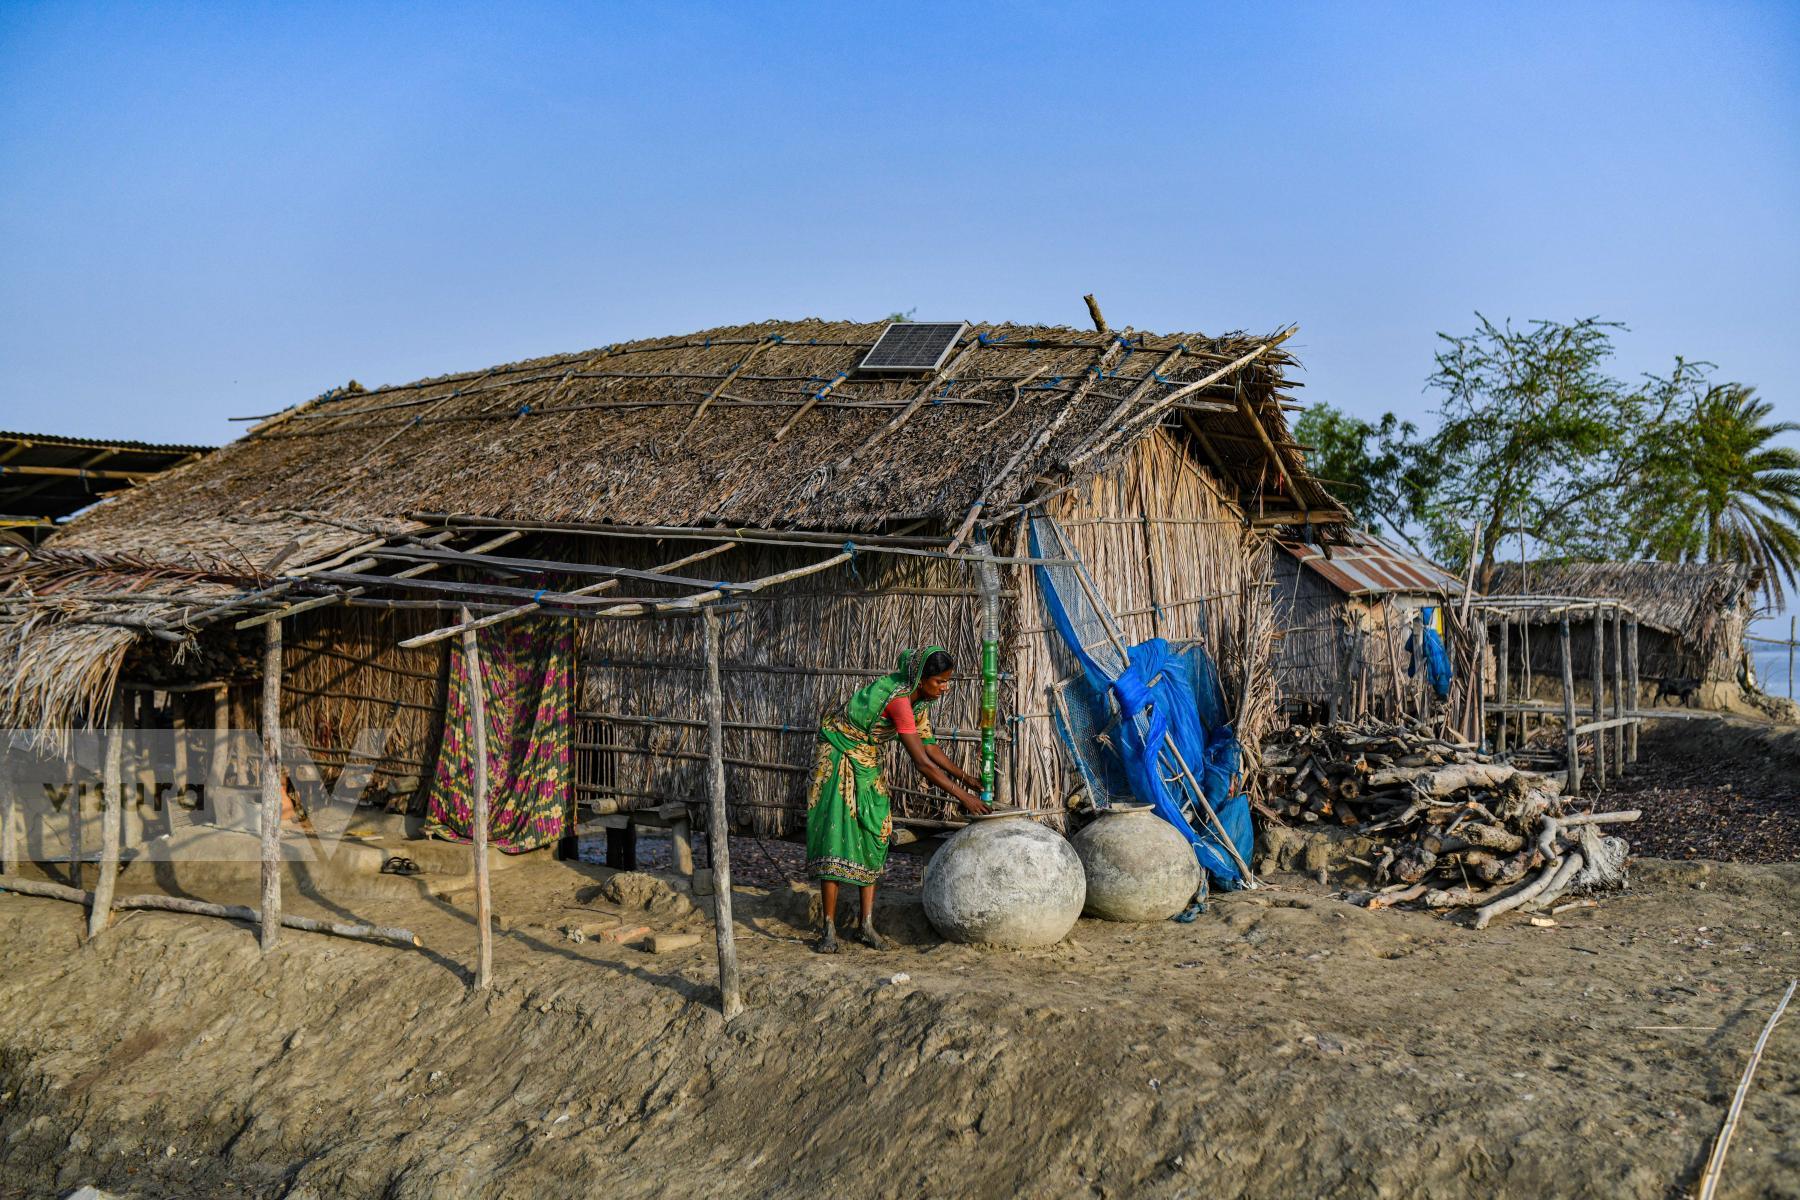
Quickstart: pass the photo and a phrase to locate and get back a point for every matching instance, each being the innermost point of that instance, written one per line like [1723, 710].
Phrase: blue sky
[211, 210]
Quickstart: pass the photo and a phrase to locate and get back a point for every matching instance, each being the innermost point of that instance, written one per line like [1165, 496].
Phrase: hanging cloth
[527, 672]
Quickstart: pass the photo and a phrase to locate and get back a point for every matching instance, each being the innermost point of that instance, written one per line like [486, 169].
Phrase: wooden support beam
[357, 568]
[1631, 683]
[947, 371]
[1617, 626]
[270, 827]
[605, 585]
[1571, 745]
[1093, 307]
[1597, 662]
[478, 825]
[112, 816]
[79, 473]
[1502, 669]
[812, 402]
[718, 826]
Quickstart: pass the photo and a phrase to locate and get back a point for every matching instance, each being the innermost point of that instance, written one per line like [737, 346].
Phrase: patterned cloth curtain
[527, 669]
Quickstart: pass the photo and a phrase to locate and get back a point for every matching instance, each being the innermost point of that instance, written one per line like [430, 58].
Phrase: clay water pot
[1139, 867]
[1004, 880]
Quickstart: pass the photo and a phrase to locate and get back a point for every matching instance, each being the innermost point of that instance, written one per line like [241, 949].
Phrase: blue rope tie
[539, 594]
[850, 549]
[524, 410]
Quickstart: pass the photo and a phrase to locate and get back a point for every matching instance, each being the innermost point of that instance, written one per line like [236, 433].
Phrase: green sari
[849, 815]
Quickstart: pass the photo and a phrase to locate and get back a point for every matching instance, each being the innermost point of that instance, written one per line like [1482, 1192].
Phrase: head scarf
[903, 680]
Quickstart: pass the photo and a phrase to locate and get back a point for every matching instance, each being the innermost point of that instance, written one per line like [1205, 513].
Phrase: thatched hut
[1692, 618]
[1343, 617]
[831, 508]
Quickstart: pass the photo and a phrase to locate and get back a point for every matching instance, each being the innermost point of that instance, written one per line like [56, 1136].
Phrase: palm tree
[1718, 490]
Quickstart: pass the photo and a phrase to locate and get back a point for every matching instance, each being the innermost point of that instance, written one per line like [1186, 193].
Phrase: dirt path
[1283, 1045]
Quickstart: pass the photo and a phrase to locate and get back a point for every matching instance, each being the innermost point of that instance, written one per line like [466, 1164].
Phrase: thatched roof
[1677, 598]
[598, 436]
[793, 437]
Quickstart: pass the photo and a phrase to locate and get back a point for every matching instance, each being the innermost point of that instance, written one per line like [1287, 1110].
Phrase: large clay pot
[1139, 867]
[1004, 880]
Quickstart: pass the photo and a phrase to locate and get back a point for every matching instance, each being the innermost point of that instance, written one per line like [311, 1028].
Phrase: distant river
[1772, 661]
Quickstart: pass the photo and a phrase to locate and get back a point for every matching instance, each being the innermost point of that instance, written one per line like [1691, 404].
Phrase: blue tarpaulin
[1124, 727]
[1437, 659]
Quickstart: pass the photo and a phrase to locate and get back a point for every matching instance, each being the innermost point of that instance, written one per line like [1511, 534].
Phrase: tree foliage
[1715, 486]
[1537, 438]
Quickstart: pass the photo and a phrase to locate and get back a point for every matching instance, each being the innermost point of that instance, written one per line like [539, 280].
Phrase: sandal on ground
[398, 865]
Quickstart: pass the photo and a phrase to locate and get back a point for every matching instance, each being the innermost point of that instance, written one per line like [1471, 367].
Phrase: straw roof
[1682, 599]
[792, 436]
[598, 435]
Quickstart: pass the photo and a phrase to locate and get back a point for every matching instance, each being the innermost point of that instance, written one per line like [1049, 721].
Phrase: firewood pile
[1453, 827]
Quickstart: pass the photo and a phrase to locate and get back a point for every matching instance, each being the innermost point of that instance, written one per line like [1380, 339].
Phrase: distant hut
[829, 507]
[1692, 618]
[1344, 617]
[45, 477]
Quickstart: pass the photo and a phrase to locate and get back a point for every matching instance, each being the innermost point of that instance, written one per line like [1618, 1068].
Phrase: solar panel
[913, 346]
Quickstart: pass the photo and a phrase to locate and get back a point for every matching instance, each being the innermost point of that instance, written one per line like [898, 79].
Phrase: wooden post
[1502, 678]
[1631, 683]
[478, 827]
[1573, 747]
[271, 786]
[220, 762]
[76, 788]
[718, 828]
[1597, 661]
[1791, 629]
[1393, 657]
[1619, 689]
[112, 809]
[9, 844]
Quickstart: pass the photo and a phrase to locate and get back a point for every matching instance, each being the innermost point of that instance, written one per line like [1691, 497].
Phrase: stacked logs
[1453, 827]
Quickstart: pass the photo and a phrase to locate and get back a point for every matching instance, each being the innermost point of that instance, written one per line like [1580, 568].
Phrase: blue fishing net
[1141, 721]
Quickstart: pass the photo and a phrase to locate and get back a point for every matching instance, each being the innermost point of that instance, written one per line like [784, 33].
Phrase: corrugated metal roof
[1374, 567]
[45, 477]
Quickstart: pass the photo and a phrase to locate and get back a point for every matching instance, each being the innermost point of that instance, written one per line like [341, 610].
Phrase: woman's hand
[974, 805]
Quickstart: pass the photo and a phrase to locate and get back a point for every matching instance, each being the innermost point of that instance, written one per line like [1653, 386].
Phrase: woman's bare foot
[870, 938]
[829, 943]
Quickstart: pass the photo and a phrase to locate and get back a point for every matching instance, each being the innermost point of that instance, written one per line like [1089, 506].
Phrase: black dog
[1682, 689]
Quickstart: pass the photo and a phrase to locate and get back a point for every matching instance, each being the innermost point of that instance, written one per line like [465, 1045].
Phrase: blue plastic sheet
[1124, 730]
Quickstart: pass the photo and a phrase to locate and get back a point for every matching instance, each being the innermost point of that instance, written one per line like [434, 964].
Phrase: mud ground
[1719, 787]
[1285, 1044]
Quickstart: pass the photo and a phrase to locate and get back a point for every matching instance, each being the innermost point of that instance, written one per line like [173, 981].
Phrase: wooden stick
[1631, 682]
[1597, 662]
[425, 639]
[1570, 738]
[718, 829]
[112, 801]
[271, 786]
[478, 830]
[722, 385]
[1157, 408]
[906, 414]
[1606, 818]
[1093, 306]
[203, 908]
[812, 402]
[1715, 1163]
[1617, 628]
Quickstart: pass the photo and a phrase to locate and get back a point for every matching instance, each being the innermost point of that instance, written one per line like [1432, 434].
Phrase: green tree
[1536, 436]
[1715, 486]
[1378, 470]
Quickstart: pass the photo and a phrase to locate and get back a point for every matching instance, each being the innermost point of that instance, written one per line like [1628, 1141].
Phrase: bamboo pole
[1502, 670]
[478, 828]
[1617, 628]
[271, 786]
[112, 805]
[521, 610]
[1715, 1162]
[203, 908]
[1571, 744]
[721, 386]
[900, 418]
[1597, 661]
[718, 830]
[1631, 673]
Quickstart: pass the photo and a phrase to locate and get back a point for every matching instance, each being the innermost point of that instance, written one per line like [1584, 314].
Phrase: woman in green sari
[849, 816]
